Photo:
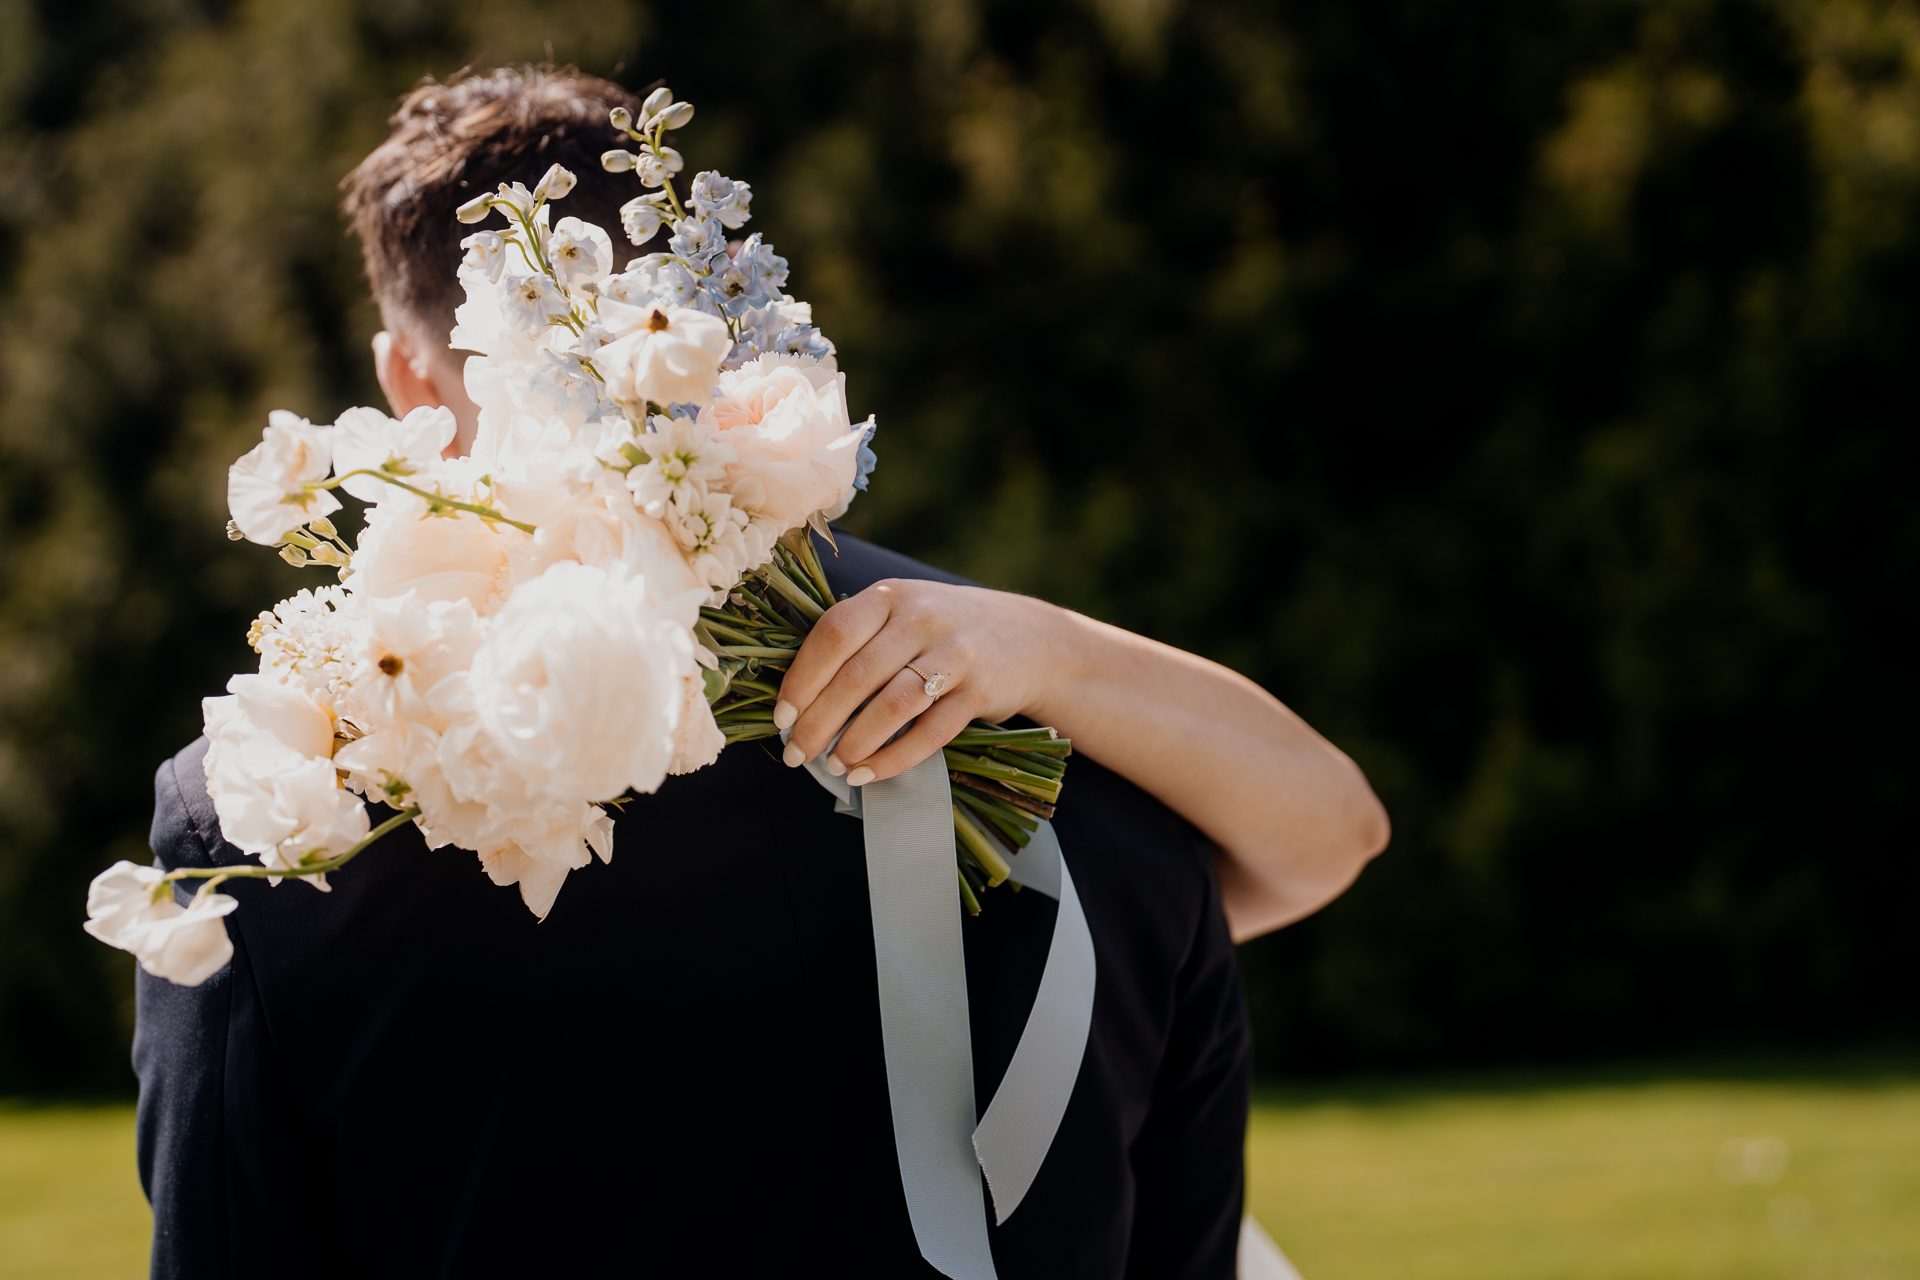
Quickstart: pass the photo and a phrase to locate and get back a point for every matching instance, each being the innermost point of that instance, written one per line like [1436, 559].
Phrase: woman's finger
[859, 676]
[841, 632]
[904, 697]
[937, 726]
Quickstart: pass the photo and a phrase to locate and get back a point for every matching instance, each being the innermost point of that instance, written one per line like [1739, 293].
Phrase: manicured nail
[793, 756]
[860, 777]
[834, 766]
[784, 715]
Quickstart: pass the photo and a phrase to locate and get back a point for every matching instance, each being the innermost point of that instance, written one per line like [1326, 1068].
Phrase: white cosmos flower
[533, 302]
[667, 356]
[268, 489]
[581, 253]
[795, 451]
[408, 647]
[271, 776]
[368, 440]
[186, 945]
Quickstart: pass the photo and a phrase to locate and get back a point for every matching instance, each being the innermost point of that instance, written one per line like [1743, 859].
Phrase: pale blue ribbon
[915, 899]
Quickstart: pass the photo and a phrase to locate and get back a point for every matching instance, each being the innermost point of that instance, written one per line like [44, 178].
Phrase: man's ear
[405, 377]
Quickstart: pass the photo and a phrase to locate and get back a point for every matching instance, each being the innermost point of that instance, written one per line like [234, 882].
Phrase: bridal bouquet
[603, 593]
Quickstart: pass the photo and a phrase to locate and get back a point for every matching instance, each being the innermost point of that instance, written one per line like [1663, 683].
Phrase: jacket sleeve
[179, 1054]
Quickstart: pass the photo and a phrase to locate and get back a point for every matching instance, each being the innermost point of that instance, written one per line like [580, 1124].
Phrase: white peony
[186, 945]
[666, 355]
[577, 685]
[795, 451]
[368, 440]
[270, 773]
[436, 557]
[268, 490]
[698, 741]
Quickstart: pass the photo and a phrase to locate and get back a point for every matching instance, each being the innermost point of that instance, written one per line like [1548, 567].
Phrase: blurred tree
[1524, 392]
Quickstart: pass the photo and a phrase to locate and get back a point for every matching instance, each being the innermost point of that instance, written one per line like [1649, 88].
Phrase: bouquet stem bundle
[1004, 781]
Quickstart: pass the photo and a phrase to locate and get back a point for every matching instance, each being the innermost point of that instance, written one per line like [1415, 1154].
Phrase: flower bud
[233, 532]
[617, 161]
[323, 526]
[673, 159]
[475, 209]
[657, 101]
[326, 553]
[622, 118]
[294, 556]
[676, 116]
[554, 184]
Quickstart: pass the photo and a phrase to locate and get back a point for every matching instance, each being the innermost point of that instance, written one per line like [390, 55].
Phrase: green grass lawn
[1716, 1179]
[1801, 1179]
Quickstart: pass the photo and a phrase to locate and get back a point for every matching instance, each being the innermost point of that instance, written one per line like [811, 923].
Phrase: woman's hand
[1293, 818]
[989, 645]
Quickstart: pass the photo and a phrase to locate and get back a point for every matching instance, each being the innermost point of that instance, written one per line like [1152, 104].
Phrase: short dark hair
[454, 140]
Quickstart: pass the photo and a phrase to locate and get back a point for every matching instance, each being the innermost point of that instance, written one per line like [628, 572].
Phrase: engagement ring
[936, 683]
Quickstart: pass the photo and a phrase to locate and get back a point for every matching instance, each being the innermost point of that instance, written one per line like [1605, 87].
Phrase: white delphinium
[270, 773]
[641, 216]
[368, 440]
[308, 640]
[486, 255]
[184, 945]
[271, 490]
[581, 253]
[795, 451]
[716, 196]
[558, 385]
[664, 356]
[533, 302]
[555, 183]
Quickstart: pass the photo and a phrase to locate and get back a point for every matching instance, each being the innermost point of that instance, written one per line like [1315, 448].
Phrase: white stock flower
[666, 356]
[580, 252]
[271, 776]
[308, 639]
[795, 451]
[184, 945]
[577, 685]
[533, 302]
[268, 489]
[436, 557]
[681, 453]
[368, 440]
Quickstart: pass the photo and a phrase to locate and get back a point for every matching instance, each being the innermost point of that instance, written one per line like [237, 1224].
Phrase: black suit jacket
[680, 1070]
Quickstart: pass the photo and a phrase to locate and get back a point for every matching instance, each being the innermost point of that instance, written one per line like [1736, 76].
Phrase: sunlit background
[1526, 392]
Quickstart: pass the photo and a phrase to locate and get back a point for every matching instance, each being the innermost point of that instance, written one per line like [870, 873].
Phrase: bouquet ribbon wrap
[923, 1017]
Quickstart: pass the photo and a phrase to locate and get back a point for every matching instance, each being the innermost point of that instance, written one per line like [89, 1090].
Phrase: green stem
[217, 874]
[792, 593]
[434, 500]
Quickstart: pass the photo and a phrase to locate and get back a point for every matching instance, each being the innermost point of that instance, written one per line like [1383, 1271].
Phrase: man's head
[450, 142]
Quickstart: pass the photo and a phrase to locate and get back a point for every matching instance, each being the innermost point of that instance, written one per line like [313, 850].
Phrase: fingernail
[834, 766]
[860, 777]
[793, 756]
[784, 715]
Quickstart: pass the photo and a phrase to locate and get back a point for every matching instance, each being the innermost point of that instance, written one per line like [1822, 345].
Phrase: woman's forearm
[1293, 817]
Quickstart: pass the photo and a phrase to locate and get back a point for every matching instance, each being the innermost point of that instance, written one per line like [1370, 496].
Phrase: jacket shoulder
[186, 830]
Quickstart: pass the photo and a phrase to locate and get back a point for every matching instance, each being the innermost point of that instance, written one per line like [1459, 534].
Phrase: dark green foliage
[1524, 392]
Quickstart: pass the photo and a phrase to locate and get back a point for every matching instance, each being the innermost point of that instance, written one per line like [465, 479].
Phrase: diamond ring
[936, 683]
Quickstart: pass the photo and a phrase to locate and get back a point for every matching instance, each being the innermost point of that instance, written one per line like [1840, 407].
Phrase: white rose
[795, 451]
[435, 557]
[368, 440]
[667, 355]
[578, 683]
[267, 489]
[183, 945]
